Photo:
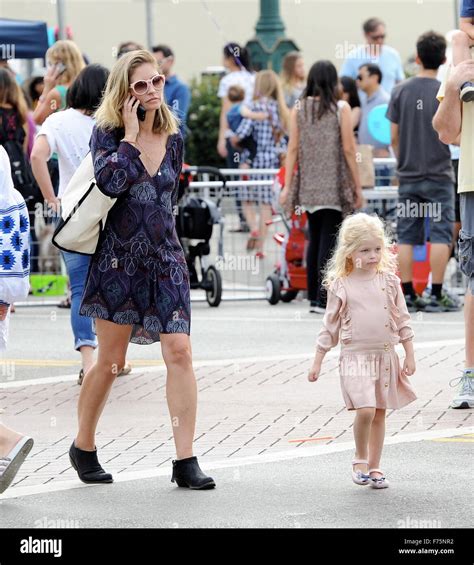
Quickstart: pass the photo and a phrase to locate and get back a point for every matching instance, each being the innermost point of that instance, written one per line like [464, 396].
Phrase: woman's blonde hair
[268, 84]
[12, 94]
[67, 52]
[288, 69]
[354, 230]
[109, 114]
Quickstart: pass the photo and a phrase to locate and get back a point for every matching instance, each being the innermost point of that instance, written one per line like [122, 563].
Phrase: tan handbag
[365, 164]
[84, 210]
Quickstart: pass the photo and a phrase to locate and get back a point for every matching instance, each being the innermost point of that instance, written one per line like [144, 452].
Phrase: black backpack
[23, 179]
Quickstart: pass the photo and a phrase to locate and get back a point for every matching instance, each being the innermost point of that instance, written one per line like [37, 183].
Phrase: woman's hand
[54, 204]
[130, 118]
[283, 196]
[409, 366]
[359, 201]
[313, 374]
[221, 148]
[50, 79]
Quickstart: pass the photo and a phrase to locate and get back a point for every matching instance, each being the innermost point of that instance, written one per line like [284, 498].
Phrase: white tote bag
[84, 210]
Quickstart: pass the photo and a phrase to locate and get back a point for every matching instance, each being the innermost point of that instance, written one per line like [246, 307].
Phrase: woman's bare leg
[87, 357]
[113, 342]
[250, 215]
[181, 390]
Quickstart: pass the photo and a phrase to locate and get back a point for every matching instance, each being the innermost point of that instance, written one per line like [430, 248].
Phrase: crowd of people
[136, 285]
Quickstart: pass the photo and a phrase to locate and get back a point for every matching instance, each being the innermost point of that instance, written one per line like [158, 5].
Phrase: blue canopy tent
[23, 39]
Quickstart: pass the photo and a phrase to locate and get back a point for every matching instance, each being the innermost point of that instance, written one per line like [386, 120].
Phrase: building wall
[321, 28]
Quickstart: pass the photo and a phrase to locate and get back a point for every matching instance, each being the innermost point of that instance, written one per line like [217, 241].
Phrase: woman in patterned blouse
[137, 287]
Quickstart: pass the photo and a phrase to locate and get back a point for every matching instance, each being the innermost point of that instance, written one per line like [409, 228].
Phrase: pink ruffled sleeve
[328, 336]
[401, 316]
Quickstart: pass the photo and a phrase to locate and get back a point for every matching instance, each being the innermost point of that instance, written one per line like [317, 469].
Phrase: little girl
[367, 308]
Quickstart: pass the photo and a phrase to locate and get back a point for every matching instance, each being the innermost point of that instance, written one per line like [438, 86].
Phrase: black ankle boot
[187, 473]
[87, 466]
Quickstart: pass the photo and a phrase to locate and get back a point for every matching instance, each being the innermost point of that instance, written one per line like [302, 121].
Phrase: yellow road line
[454, 439]
[461, 438]
[67, 363]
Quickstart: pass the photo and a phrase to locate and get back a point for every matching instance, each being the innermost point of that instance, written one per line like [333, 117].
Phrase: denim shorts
[466, 237]
[422, 199]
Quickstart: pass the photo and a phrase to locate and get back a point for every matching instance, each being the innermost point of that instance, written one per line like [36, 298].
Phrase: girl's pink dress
[371, 317]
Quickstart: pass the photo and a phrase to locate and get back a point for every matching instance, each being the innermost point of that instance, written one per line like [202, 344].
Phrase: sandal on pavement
[358, 477]
[127, 369]
[11, 463]
[378, 482]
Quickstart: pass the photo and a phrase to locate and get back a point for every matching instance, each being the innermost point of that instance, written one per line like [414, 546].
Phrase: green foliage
[203, 123]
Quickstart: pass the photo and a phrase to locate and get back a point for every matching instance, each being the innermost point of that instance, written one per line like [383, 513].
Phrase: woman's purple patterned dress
[138, 274]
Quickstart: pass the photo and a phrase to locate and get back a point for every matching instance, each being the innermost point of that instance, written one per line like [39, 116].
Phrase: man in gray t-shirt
[425, 173]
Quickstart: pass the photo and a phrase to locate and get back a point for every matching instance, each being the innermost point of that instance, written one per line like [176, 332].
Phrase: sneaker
[315, 307]
[444, 304]
[465, 396]
[416, 303]
[467, 92]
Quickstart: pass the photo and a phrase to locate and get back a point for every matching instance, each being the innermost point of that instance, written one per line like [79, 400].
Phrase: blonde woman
[366, 311]
[137, 287]
[65, 62]
[293, 77]
[270, 135]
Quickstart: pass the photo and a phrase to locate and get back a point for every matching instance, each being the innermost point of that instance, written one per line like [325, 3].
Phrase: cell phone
[60, 67]
[141, 113]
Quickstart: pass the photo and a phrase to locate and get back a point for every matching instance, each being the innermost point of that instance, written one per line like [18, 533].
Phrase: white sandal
[378, 482]
[358, 477]
[10, 464]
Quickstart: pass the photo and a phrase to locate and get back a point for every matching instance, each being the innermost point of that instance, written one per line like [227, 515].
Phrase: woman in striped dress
[271, 143]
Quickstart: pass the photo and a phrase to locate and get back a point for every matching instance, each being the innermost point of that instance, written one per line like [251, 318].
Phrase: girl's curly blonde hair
[354, 230]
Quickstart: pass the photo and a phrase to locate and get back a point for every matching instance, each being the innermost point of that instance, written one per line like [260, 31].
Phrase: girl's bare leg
[376, 439]
[362, 424]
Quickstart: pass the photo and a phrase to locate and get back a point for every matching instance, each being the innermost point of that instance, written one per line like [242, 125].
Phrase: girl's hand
[130, 118]
[313, 374]
[409, 366]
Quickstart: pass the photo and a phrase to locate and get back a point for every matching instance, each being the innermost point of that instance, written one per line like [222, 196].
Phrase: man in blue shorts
[425, 172]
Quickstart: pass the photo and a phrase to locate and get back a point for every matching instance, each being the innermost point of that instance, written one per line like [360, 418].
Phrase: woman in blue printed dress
[137, 287]
[270, 136]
